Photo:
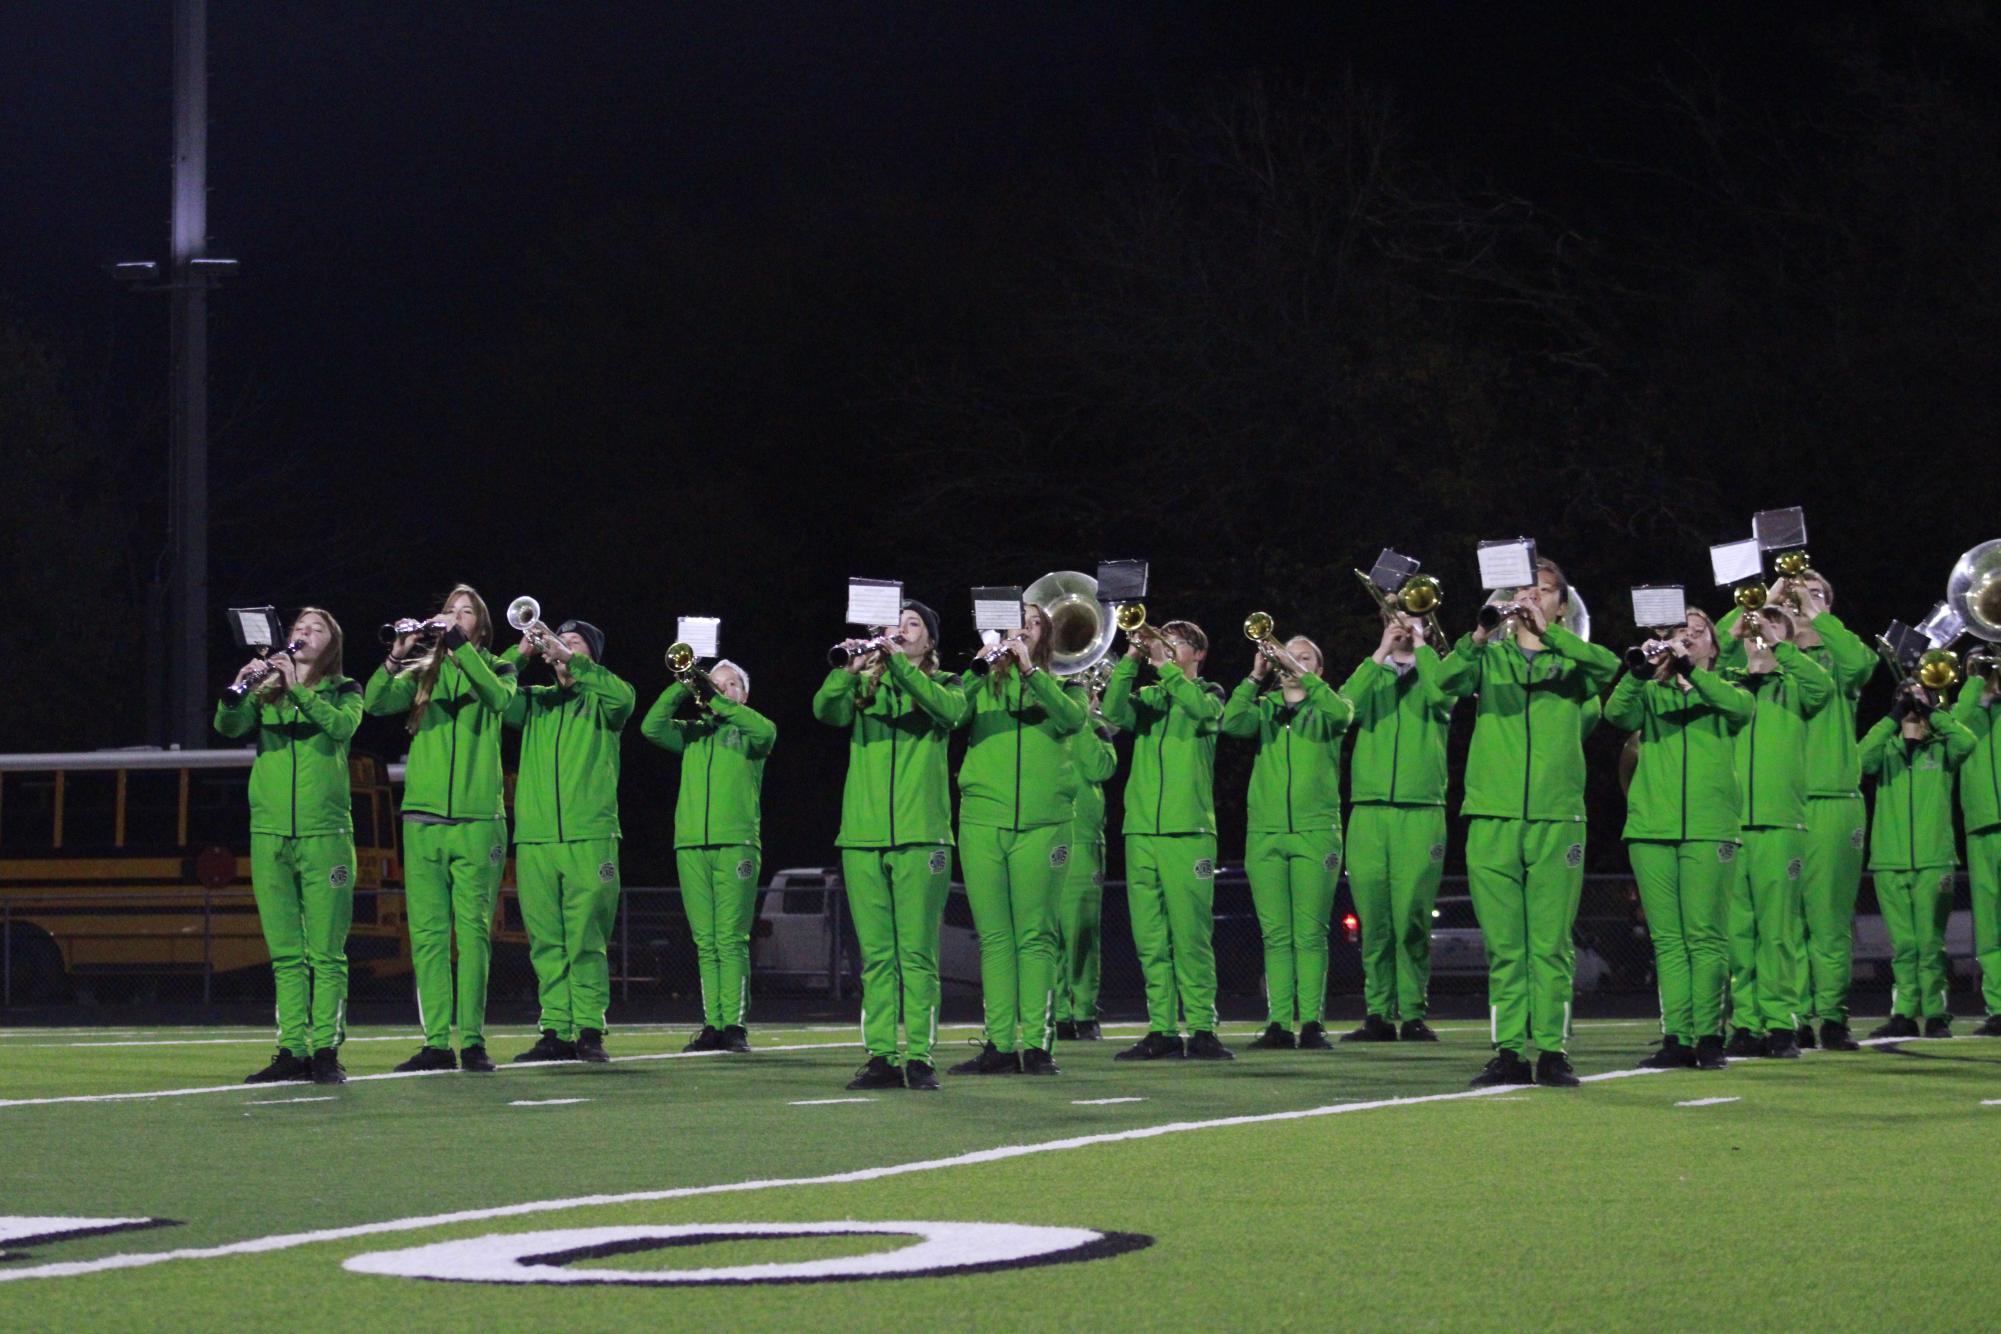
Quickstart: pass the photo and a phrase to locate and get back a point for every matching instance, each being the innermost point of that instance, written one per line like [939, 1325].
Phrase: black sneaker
[590, 1046]
[1416, 1030]
[429, 1058]
[1743, 1043]
[327, 1068]
[1552, 1068]
[475, 1060]
[920, 1075]
[1803, 1037]
[1202, 1046]
[285, 1068]
[1153, 1047]
[877, 1073]
[709, 1039]
[1274, 1038]
[1036, 1061]
[1939, 1026]
[1709, 1054]
[1897, 1026]
[550, 1048]
[1671, 1056]
[1313, 1037]
[1088, 1030]
[1507, 1067]
[1374, 1029]
[1834, 1036]
[1782, 1044]
[1066, 1030]
[1990, 1029]
[990, 1061]
[736, 1039]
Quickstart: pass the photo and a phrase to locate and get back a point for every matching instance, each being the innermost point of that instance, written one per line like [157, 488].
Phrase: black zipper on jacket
[1020, 703]
[1288, 777]
[292, 744]
[708, 779]
[1911, 800]
[561, 709]
[1396, 734]
[1160, 775]
[1528, 731]
[1751, 781]
[896, 711]
[1684, 767]
[452, 772]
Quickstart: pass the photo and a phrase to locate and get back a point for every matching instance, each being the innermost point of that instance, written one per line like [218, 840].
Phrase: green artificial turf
[1841, 1191]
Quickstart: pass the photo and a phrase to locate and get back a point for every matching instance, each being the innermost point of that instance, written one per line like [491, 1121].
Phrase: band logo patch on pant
[938, 862]
[1573, 857]
[1205, 868]
[1331, 861]
[1059, 855]
[1438, 853]
[745, 869]
[1726, 852]
[607, 872]
[494, 854]
[1794, 867]
[1855, 837]
[339, 876]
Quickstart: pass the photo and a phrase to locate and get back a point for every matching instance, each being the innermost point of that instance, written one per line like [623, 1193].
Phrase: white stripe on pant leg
[1493, 1025]
[743, 999]
[1566, 1022]
[864, 1028]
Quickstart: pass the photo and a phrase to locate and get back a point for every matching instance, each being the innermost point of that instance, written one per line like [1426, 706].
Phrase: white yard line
[1101, 1102]
[827, 1102]
[1707, 1102]
[280, 1102]
[545, 1102]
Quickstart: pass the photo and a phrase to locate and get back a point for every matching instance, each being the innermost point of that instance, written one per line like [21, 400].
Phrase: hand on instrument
[243, 672]
[1260, 665]
[284, 667]
[1156, 650]
[853, 666]
[1420, 630]
[1530, 610]
[1017, 644]
[1288, 666]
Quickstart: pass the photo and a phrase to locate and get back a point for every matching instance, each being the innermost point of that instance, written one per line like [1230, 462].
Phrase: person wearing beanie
[567, 832]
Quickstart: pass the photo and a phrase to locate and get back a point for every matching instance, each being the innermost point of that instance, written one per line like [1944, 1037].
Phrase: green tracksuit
[1170, 831]
[1017, 797]
[1980, 803]
[454, 833]
[1292, 844]
[1764, 913]
[1911, 853]
[1836, 819]
[566, 838]
[718, 840]
[1524, 804]
[1080, 906]
[1396, 826]
[1681, 833]
[302, 849]
[896, 841]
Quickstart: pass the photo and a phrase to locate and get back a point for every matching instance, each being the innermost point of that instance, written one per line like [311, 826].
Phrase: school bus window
[90, 810]
[217, 809]
[363, 803]
[27, 811]
[152, 809]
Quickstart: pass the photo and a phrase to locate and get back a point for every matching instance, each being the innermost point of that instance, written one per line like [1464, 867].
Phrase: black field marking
[15, 1248]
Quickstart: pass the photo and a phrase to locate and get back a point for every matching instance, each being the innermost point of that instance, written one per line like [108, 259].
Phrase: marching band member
[1789, 689]
[718, 838]
[1836, 818]
[1980, 803]
[1537, 686]
[1080, 907]
[567, 834]
[1293, 842]
[302, 712]
[1396, 824]
[1682, 829]
[1913, 754]
[1170, 832]
[454, 823]
[896, 834]
[1017, 786]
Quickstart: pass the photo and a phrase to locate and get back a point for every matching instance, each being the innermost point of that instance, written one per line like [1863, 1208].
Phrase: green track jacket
[1911, 826]
[1401, 722]
[899, 788]
[567, 786]
[1296, 777]
[1018, 772]
[1980, 778]
[1096, 760]
[1686, 784]
[722, 754]
[299, 781]
[1527, 757]
[1171, 788]
[454, 767]
[1833, 765]
[1771, 752]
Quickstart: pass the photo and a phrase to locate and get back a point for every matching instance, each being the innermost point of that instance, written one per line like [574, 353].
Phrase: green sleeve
[1729, 648]
[946, 703]
[238, 719]
[1188, 695]
[1875, 743]
[761, 731]
[1805, 675]
[389, 693]
[1099, 761]
[1430, 677]
[1595, 663]
[611, 693]
[1327, 714]
[834, 701]
[1968, 709]
[1589, 714]
[1459, 670]
[1358, 682]
[1854, 661]
[1959, 740]
[1733, 702]
[339, 717]
[1117, 703]
[1240, 715]
[515, 715]
[491, 688]
[661, 727]
[1627, 707]
[1068, 713]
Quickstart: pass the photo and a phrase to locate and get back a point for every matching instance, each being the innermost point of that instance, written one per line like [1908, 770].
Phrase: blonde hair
[427, 667]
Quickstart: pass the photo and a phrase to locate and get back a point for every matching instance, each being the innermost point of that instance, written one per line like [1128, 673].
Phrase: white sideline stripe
[1101, 1102]
[828, 1102]
[545, 1102]
[290, 1240]
[1707, 1102]
[280, 1102]
[392, 1074]
[1990, 1102]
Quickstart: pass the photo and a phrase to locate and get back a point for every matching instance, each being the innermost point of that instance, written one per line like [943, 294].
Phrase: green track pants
[1525, 878]
[719, 894]
[1983, 869]
[897, 899]
[569, 901]
[1915, 906]
[1764, 928]
[1171, 893]
[1836, 828]
[1292, 887]
[451, 882]
[305, 903]
[1685, 892]
[1079, 914]
[1013, 878]
[1395, 857]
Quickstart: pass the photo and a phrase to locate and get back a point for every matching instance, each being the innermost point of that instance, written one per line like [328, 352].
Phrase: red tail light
[1351, 926]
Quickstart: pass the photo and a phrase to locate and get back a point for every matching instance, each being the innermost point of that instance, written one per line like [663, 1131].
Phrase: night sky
[679, 309]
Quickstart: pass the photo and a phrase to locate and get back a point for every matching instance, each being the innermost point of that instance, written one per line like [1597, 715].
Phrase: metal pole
[207, 946]
[624, 953]
[189, 374]
[6, 954]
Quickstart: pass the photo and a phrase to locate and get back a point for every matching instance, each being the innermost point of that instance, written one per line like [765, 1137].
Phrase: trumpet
[525, 615]
[838, 655]
[236, 690]
[1257, 629]
[1648, 656]
[1753, 597]
[1794, 567]
[681, 662]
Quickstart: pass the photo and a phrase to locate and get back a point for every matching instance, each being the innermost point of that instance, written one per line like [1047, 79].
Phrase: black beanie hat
[592, 636]
[926, 615]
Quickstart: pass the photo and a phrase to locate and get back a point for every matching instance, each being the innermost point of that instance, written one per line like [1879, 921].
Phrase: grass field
[1366, 1188]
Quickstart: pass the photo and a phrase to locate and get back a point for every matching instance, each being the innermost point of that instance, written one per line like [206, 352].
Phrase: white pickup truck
[803, 936]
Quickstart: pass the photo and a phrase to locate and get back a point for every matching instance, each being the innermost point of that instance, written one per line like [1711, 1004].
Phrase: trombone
[681, 662]
[1420, 596]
